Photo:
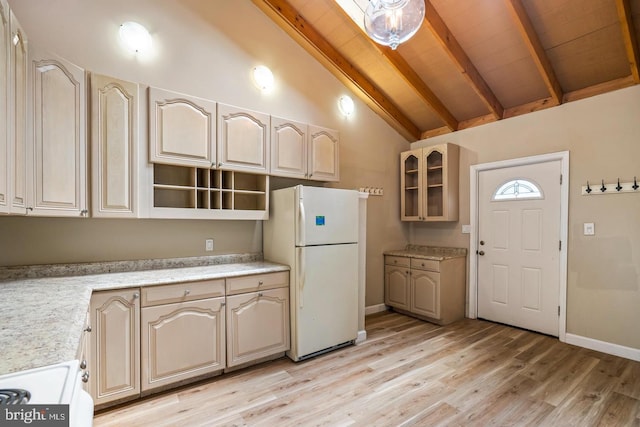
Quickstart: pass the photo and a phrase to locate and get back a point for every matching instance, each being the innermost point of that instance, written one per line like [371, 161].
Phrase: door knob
[480, 253]
[482, 242]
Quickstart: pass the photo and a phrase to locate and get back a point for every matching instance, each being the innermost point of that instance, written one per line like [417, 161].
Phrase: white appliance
[59, 384]
[315, 231]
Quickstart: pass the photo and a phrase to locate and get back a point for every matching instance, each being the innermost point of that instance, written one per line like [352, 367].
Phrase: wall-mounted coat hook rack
[619, 187]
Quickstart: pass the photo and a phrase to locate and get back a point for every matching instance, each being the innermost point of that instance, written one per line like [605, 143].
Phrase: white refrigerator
[314, 230]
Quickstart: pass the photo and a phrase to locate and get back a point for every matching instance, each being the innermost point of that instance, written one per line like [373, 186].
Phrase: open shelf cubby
[212, 190]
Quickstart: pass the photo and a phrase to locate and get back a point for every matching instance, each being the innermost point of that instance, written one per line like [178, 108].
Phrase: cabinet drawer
[257, 282]
[425, 264]
[400, 261]
[181, 292]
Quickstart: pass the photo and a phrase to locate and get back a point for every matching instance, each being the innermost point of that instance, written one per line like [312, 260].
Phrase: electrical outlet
[589, 229]
[208, 245]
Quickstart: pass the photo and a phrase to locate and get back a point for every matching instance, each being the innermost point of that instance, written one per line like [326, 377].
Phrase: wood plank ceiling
[473, 61]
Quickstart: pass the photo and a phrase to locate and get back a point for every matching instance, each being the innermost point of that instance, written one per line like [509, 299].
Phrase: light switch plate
[208, 245]
[589, 229]
[466, 228]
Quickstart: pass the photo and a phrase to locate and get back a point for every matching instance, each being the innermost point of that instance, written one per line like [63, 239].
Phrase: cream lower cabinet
[115, 345]
[257, 317]
[429, 289]
[181, 341]
[183, 331]
[396, 282]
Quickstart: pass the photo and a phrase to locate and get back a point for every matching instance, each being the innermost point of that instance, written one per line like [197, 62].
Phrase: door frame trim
[472, 291]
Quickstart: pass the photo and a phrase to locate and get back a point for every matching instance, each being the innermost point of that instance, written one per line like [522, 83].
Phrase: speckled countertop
[41, 318]
[435, 253]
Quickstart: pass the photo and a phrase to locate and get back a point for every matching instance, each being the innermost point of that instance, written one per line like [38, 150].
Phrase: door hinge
[560, 179]
[560, 245]
[558, 311]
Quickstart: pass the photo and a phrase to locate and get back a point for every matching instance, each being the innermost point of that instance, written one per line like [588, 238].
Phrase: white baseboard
[604, 347]
[374, 309]
[362, 337]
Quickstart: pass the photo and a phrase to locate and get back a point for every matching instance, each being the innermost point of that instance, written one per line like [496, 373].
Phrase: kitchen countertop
[41, 319]
[434, 253]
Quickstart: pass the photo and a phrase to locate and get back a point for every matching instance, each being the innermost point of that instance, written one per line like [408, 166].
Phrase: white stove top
[54, 384]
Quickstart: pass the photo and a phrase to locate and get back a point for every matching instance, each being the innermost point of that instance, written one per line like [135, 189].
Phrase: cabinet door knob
[260, 283]
[85, 377]
[136, 295]
[259, 294]
[87, 329]
[186, 292]
[83, 364]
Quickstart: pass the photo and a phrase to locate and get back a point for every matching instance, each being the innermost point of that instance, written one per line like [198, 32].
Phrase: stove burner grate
[15, 396]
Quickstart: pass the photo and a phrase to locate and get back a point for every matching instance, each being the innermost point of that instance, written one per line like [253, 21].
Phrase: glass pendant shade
[391, 22]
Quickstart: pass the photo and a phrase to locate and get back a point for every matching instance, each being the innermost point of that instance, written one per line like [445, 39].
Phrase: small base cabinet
[182, 332]
[115, 345]
[257, 317]
[432, 290]
[396, 282]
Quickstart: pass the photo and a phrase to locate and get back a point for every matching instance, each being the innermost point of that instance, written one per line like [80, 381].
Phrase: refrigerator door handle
[301, 223]
[301, 277]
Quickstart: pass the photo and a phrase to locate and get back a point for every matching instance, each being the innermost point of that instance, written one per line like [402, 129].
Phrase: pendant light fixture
[391, 22]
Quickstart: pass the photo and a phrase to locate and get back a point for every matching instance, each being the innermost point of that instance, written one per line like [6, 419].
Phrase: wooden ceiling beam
[288, 18]
[442, 33]
[629, 37]
[416, 83]
[538, 54]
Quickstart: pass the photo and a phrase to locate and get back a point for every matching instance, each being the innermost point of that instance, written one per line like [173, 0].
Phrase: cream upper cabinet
[5, 79]
[17, 183]
[243, 139]
[115, 345]
[57, 121]
[324, 154]
[288, 148]
[429, 183]
[114, 147]
[182, 129]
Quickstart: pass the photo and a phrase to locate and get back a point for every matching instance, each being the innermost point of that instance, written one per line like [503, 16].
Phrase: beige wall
[207, 49]
[602, 135]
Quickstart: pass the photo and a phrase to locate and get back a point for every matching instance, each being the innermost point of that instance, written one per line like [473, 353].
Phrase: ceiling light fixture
[346, 105]
[391, 22]
[263, 78]
[135, 37]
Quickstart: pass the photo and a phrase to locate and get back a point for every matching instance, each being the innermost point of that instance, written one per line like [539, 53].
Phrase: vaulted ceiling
[473, 61]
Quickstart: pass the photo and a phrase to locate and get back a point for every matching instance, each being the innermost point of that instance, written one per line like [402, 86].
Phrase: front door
[518, 246]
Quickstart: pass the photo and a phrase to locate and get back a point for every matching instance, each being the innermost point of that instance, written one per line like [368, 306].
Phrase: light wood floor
[412, 373]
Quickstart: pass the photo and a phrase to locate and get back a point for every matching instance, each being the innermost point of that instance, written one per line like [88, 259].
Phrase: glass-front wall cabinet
[429, 183]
